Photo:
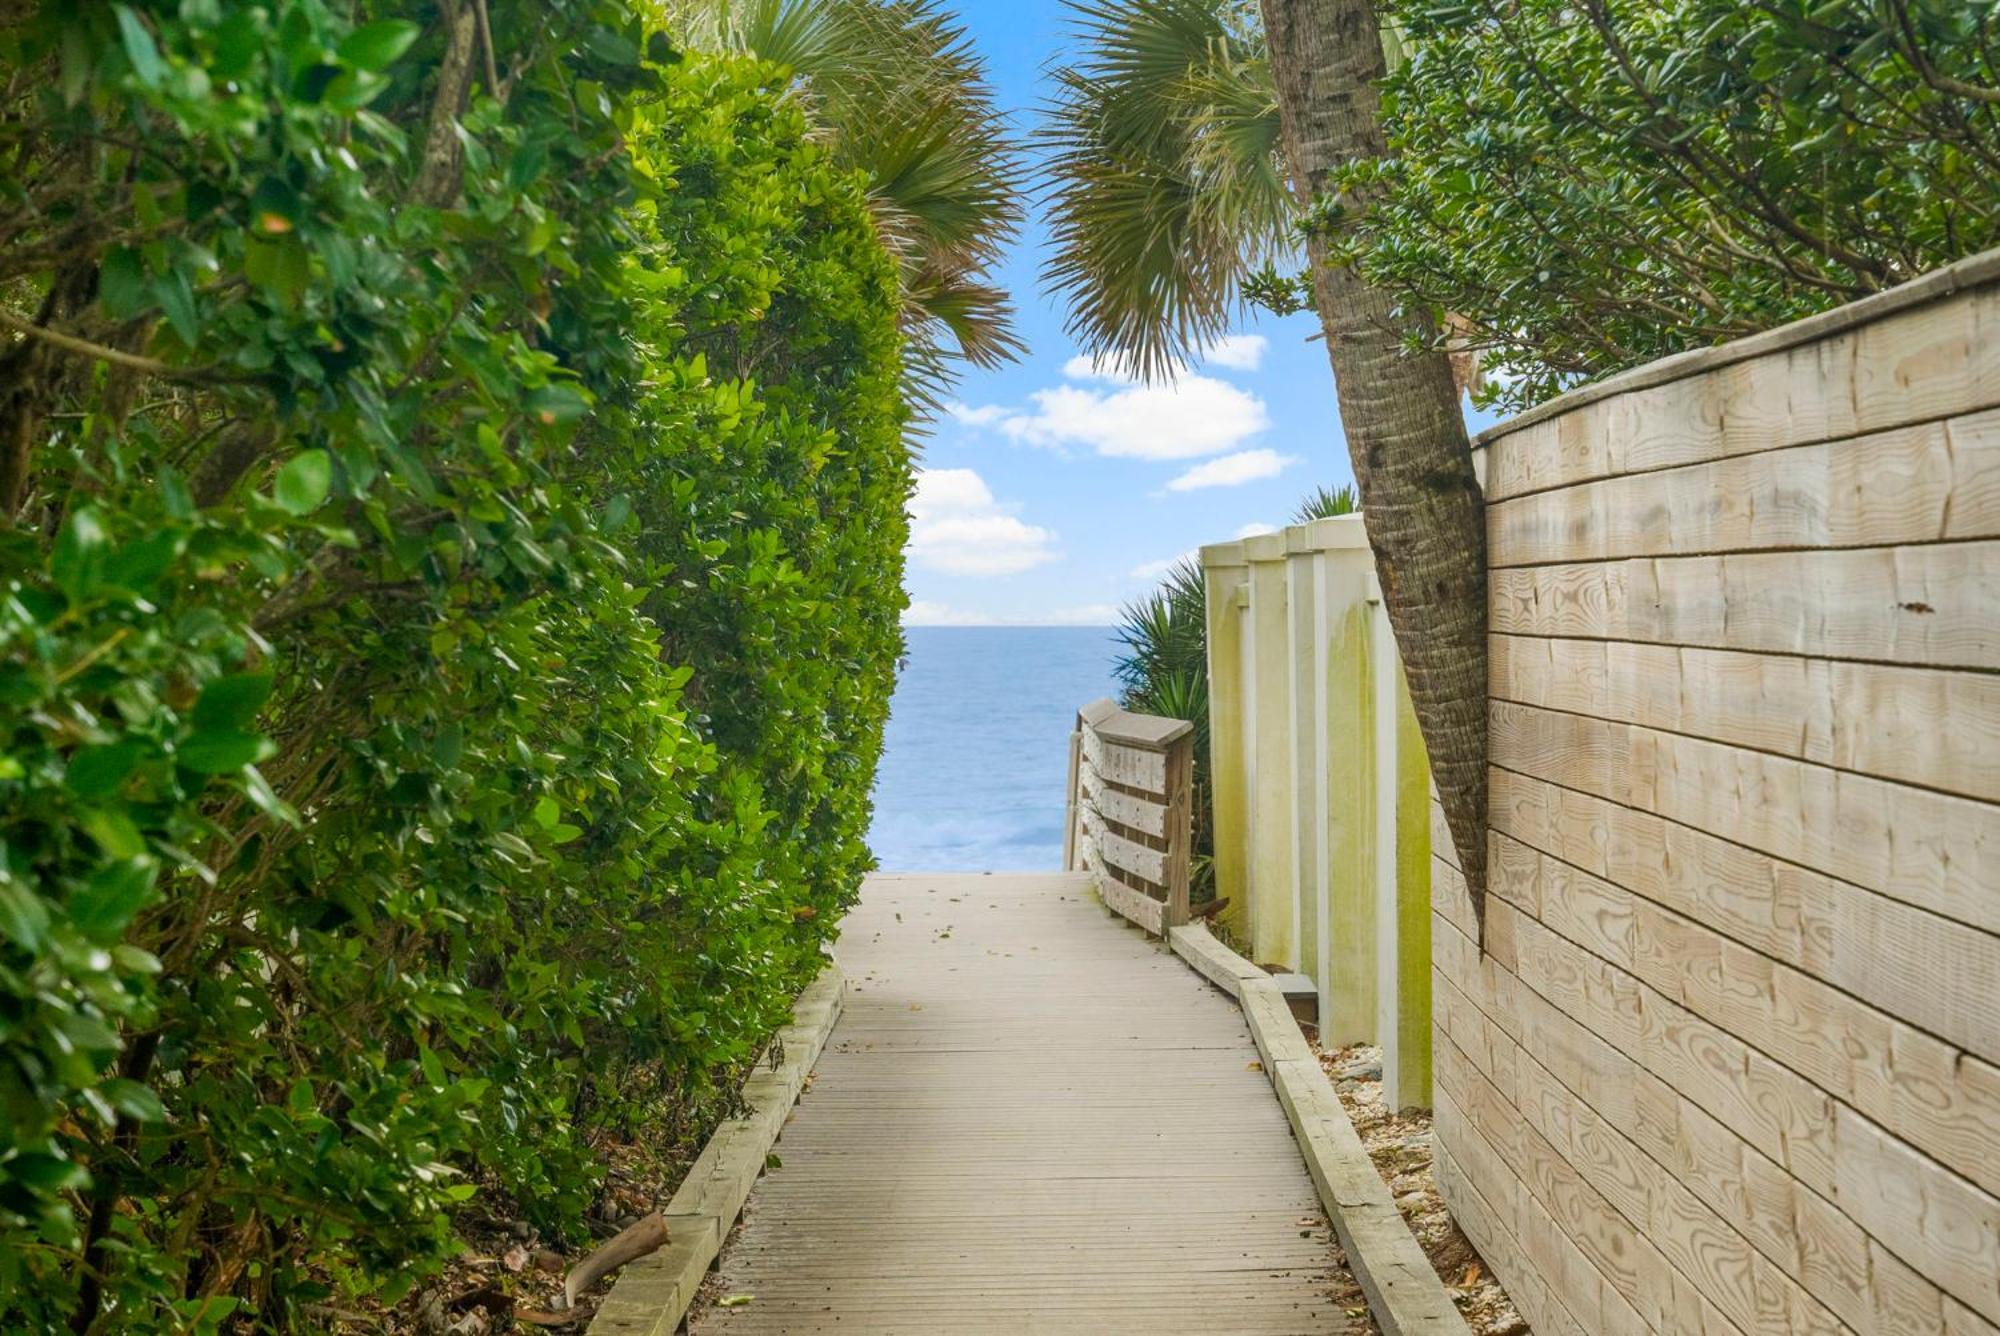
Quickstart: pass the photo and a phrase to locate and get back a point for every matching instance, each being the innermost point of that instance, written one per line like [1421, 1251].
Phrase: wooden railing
[1130, 782]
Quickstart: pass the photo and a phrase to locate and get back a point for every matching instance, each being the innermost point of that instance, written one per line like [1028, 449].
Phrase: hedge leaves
[448, 605]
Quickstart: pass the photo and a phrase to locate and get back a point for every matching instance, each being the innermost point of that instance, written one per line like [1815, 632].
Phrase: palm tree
[1163, 143]
[898, 93]
[1176, 140]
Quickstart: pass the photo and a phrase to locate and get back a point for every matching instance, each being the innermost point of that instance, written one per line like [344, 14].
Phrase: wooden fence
[1131, 777]
[1320, 786]
[1727, 1059]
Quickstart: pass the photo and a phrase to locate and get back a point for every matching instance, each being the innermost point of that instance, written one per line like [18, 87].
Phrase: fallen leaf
[514, 1258]
[735, 1301]
[542, 1317]
[1253, 1067]
[1471, 1276]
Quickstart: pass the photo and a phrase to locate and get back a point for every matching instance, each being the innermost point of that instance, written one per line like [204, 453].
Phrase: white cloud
[957, 527]
[1238, 352]
[1255, 528]
[1107, 410]
[924, 612]
[1101, 368]
[1233, 470]
[1154, 570]
[983, 416]
[1179, 419]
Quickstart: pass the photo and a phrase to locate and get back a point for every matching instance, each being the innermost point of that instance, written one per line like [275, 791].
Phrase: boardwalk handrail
[1131, 778]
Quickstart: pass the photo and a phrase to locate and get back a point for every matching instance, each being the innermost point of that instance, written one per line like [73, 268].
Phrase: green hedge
[447, 615]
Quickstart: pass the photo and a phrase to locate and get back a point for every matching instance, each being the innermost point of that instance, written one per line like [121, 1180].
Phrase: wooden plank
[1126, 809]
[1195, 944]
[1726, 1219]
[1121, 764]
[1272, 1025]
[1096, 712]
[1149, 732]
[1945, 1228]
[1130, 856]
[651, 1296]
[1930, 850]
[1924, 349]
[1674, 1050]
[1403, 1291]
[1074, 790]
[1131, 903]
[990, 1142]
[1929, 483]
[1928, 605]
[1921, 726]
[1179, 833]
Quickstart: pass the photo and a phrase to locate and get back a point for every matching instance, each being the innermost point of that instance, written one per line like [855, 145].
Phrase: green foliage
[1167, 185]
[447, 613]
[1326, 502]
[1580, 189]
[1163, 670]
[900, 95]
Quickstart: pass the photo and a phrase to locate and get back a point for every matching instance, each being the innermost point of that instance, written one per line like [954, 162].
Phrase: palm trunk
[1412, 461]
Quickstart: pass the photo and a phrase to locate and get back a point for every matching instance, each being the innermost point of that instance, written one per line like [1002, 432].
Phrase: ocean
[977, 750]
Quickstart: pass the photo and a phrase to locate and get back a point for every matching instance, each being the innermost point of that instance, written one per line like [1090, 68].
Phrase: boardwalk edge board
[1403, 1291]
[653, 1294]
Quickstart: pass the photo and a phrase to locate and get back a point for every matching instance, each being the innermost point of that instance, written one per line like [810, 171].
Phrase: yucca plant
[1163, 670]
[1326, 502]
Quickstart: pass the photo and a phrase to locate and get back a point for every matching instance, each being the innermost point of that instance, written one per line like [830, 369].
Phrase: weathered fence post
[1069, 811]
[1312, 773]
[1132, 795]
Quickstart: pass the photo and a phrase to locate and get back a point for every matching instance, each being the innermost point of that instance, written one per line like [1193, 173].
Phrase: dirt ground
[1400, 1145]
[510, 1278]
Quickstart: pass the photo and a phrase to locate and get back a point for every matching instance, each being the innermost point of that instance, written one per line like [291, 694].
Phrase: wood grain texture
[1127, 809]
[1029, 1119]
[1919, 726]
[1927, 349]
[1934, 482]
[653, 1294]
[1729, 1059]
[1929, 606]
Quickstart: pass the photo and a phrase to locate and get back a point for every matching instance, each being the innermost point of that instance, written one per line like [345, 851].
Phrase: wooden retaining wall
[1730, 1059]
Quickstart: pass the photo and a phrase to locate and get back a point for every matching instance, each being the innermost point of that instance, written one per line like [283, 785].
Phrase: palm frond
[899, 92]
[1168, 190]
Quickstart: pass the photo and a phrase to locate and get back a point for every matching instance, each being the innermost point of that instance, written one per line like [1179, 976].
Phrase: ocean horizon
[976, 755]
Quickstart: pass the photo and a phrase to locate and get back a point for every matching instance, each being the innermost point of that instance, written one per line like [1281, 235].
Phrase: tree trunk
[1412, 461]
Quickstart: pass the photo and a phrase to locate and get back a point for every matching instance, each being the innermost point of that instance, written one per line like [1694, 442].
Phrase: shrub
[1575, 189]
[446, 620]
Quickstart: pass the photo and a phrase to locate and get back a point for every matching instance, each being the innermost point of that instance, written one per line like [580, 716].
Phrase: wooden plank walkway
[1030, 1119]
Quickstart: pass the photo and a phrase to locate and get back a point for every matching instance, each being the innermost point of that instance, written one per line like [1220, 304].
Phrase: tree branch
[116, 356]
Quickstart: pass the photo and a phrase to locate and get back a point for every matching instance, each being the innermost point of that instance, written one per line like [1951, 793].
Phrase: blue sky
[1060, 495]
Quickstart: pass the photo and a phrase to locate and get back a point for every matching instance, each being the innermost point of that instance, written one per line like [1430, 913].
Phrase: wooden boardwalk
[1029, 1119]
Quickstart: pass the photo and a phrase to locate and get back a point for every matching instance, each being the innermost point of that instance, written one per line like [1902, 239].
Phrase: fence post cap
[1264, 546]
[1218, 555]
